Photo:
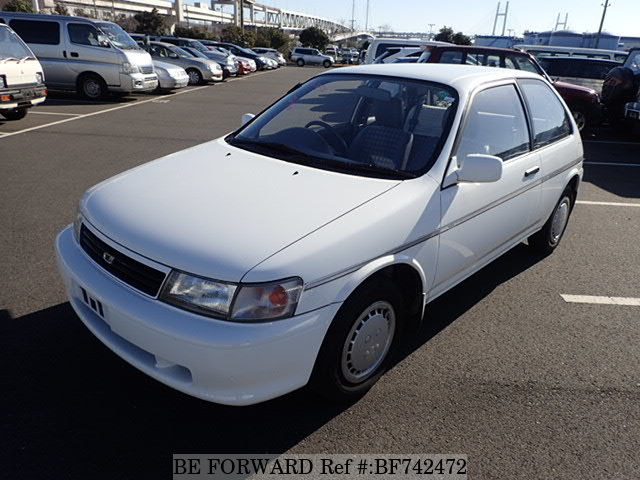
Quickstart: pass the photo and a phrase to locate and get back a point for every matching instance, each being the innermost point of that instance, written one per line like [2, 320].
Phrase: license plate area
[92, 302]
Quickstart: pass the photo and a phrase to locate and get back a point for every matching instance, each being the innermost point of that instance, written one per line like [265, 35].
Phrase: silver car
[271, 53]
[199, 70]
[226, 61]
[310, 56]
[170, 77]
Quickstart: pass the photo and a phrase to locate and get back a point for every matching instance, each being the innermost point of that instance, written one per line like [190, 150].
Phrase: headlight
[198, 294]
[77, 224]
[263, 59]
[214, 67]
[253, 302]
[267, 301]
[128, 68]
[39, 77]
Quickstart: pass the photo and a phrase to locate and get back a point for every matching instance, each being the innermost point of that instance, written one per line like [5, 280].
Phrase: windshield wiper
[372, 168]
[277, 146]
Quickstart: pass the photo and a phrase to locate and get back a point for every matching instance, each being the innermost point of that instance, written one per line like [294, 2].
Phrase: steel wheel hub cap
[580, 119]
[559, 221]
[368, 342]
[92, 88]
[193, 77]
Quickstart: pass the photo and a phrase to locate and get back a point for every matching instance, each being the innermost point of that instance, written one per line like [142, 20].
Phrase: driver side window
[84, 34]
[495, 125]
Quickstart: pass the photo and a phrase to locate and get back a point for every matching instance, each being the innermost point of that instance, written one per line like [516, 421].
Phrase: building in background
[501, 41]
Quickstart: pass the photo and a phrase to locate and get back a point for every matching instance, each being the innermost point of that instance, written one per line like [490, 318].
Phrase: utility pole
[431, 25]
[241, 5]
[604, 12]
[366, 22]
[353, 15]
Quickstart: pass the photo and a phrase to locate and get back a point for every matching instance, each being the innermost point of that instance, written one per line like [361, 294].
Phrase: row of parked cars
[589, 84]
[95, 58]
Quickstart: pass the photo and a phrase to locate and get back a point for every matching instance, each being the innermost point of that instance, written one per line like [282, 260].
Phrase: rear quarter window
[549, 118]
[37, 31]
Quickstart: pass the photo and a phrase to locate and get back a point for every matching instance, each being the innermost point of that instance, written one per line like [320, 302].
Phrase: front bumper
[632, 111]
[136, 82]
[212, 76]
[22, 96]
[219, 361]
[172, 83]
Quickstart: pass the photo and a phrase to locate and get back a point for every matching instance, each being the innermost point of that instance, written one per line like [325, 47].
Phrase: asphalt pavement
[506, 371]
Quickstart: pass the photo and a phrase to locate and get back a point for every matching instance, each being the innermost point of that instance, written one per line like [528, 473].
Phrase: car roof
[163, 44]
[463, 77]
[479, 49]
[576, 58]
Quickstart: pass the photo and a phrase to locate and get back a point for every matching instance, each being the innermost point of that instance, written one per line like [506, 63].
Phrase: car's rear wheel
[15, 113]
[195, 77]
[92, 87]
[548, 238]
[326, 64]
[581, 119]
[360, 343]
[300, 62]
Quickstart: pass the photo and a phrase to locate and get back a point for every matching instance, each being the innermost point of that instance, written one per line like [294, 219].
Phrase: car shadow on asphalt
[73, 406]
[61, 97]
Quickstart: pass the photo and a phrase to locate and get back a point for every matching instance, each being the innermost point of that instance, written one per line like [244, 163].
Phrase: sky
[623, 16]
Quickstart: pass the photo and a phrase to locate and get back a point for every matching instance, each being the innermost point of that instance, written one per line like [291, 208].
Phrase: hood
[138, 57]
[217, 211]
[571, 86]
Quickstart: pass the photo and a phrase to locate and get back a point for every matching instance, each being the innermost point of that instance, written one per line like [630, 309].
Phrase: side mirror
[246, 118]
[480, 168]
[103, 41]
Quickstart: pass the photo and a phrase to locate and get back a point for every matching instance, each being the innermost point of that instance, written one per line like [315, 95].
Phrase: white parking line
[608, 204]
[100, 112]
[55, 113]
[613, 164]
[626, 301]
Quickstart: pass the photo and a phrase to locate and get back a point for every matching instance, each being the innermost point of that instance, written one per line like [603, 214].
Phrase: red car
[584, 102]
[244, 68]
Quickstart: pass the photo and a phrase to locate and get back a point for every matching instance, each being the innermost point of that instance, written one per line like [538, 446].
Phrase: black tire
[548, 238]
[15, 113]
[328, 379]
[581, 117]
[300, 62]
[92, 87]
[326, 64]
[195, 77]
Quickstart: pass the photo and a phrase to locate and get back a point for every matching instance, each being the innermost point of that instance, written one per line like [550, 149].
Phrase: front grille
[138, 275]
[147, 70]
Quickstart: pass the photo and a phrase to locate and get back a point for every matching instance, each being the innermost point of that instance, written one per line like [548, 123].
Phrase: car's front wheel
[548, 238]
[326, 64]
[195, 77]
[360, 343]
[581, 118]
[300, 62]
[92, 87]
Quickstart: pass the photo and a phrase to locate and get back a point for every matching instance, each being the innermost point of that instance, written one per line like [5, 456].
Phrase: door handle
[74, 54]
[64, 53]
[531, 171]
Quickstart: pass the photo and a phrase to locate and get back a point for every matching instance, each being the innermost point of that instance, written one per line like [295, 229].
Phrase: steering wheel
[335, 140]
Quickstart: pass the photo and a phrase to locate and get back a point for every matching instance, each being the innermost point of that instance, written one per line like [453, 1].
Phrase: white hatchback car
[303, 247]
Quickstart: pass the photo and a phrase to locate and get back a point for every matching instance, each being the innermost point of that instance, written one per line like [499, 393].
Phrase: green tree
[446, 34]
[19, 6]
[193, 32]
[235, 35]
[314, 37]
[150, 23]
[272, 38]
[60, 9]
[461, 39]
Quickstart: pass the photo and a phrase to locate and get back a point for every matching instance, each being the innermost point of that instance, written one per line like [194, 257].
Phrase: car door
[551, 131]
[86, 52]
[479, 221]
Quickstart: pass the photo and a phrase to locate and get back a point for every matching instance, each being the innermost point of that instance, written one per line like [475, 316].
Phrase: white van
[379, 45]
[90, 56]
[560, 51]
[21, 76]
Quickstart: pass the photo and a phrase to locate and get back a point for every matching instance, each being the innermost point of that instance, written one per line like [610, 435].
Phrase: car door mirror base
[246, 118]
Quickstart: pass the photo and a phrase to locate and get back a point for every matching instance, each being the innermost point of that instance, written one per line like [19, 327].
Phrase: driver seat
[384, 143]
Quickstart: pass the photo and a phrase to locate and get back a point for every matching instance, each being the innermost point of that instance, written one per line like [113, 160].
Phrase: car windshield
[633, 62]
[378, 126]
[181, 52]
[201, 47]
[195, 52]
[118, 36]
[11, 46]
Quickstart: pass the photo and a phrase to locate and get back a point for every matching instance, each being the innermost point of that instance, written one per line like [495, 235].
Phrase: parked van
[379, 45]
[554, 51]
[21, 76]
[90, 56]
